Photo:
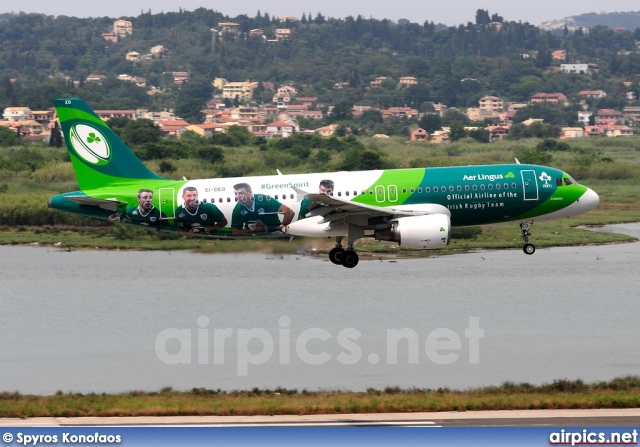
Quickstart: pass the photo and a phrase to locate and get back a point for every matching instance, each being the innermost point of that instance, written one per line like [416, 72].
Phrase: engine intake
[426, 232]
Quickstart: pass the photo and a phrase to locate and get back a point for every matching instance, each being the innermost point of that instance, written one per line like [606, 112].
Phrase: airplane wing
[332, 208]
[107, 204]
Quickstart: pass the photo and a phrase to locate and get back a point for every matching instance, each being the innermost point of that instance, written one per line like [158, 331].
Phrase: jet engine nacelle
[315, 227]
[422, 232]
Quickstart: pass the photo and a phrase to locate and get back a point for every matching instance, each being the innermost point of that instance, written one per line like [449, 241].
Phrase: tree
[534, 157]
[480, 135]
[140, 131]
[9, 137]
[56, 136]
[190, 109]
[430, 122]
[197, 89]
[457, 131]
[358, 159]
[482, 17]
[342, 110]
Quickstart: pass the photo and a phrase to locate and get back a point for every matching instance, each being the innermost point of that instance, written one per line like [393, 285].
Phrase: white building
[574, 68]
[15, 114]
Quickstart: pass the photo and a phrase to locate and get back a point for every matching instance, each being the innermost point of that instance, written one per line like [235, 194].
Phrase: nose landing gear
[527, 248]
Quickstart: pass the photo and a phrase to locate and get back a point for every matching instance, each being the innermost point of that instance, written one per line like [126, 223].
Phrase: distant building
[419, 135]
[122, 27]
[584, 117]
[95, 78]
[240, 90]
[595, 94]
[229, 28]
[378, 81]
[549, 97]
[574, 68]
[572, 132]
[15, 114]
[407, 81]
[608, 116]
[106, 115]
[283, 33]
[132, 56]
[111, 37]
[180, 77]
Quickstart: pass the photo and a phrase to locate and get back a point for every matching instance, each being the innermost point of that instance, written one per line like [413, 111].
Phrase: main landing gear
[341, 256]
[527, 248]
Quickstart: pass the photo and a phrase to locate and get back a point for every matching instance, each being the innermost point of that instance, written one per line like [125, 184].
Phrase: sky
[452, 12]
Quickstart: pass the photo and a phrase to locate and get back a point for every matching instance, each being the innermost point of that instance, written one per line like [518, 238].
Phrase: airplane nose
[590, 199]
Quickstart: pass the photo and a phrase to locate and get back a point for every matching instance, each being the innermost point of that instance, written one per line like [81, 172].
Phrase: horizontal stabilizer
[107, 204]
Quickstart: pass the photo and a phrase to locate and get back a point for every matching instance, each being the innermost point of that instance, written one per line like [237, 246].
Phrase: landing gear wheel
[350, 259]
[527, 248]
[336, 255]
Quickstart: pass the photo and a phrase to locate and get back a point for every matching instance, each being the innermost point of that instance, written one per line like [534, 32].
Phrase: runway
[505, 418]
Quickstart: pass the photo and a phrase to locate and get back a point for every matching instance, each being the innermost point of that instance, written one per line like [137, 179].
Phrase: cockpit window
[567, 181]
[558, 182]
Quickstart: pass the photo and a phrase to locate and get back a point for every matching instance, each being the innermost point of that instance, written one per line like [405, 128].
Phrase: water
[111, 321]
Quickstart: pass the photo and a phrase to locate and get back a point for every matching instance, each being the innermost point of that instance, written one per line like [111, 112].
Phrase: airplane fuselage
[415, 208]
[473, 195]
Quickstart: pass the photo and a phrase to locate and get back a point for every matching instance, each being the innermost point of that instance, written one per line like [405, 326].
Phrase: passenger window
[482, 186]
[268, 197]
[346, 193]
[450, 188]
[355, 193]
[490, 185]
[443, 189]
[205, 200]
[513, 186]
[466, 187]
[339, 193]
[427, 189]
[370, 192]
[276, 197]
[420, 190]
[475, 187]
[435, 189]
[497, 185]
[412, 190]
[291, 196]
[558, 182]
[260, 198]
[459, 188]
[404, 190]
[506, 186]
[228, 199]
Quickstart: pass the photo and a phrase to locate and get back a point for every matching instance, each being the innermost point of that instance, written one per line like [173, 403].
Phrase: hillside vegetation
[42, 56]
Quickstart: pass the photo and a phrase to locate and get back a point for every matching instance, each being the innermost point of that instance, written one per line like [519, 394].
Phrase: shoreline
[368, 248]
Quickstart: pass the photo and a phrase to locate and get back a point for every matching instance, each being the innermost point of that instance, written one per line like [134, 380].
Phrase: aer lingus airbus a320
[415, 208]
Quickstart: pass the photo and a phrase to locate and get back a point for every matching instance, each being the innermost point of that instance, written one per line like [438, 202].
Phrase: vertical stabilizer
[98, 156]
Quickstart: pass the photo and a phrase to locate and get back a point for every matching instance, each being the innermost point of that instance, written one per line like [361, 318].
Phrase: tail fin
[98, 156]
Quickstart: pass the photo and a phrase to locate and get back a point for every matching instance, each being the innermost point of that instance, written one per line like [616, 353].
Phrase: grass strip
[622, 392]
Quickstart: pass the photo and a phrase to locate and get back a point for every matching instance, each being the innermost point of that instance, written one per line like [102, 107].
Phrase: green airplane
[415, 208]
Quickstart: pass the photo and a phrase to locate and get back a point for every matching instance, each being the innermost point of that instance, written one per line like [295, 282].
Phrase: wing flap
[333, 208]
